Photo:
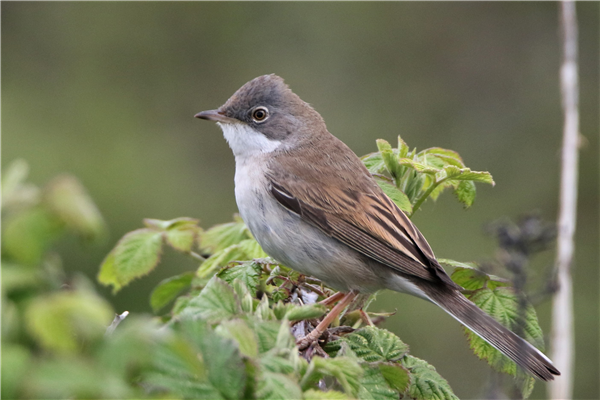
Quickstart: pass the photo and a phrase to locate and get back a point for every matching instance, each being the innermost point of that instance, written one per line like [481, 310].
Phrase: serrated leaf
[503, 305]
[274, 386]
[312, 394]
[374, 163]
[375, 345]
[28, 234]
[465, 192]
[239, 332]
[373, 386]
[402, 148]
[135, 255]
[60, 321]
[344, 369]
[396, 195]
[247, 272]
[417, 166]
[182, 239]
[397, 377]
[168, 289]
[224, 365]
[221, 259]
[176, 223]
[107, 275]
[220, 237]
[449, 156]
[226, 370]
[426, 383]
[453, 172]
[216, 302]
[266, 333]
[69, 200]
[472, 278]
[390, 158]
[252, 249]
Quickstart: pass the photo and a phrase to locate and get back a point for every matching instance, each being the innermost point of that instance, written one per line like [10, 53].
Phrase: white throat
[245, 141]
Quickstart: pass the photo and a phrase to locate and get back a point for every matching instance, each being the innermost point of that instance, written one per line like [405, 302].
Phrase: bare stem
[197, 256]
[562, 309]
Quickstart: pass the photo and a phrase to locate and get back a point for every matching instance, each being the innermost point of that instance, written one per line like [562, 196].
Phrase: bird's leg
[318, 331]
[332, 299]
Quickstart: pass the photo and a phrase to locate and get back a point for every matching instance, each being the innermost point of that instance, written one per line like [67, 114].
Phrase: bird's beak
[214, 115]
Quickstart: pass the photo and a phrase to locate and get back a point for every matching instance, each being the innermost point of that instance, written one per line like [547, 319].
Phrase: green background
[107, 91]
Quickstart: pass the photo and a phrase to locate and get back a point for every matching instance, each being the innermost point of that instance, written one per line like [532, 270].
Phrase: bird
[313, 206]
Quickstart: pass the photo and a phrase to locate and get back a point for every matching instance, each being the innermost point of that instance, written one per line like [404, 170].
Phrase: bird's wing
[357, 213]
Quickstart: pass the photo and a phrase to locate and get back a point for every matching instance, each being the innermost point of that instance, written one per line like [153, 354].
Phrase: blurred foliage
[232, 330]
[108, 90]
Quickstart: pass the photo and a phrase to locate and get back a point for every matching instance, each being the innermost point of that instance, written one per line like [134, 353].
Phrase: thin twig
[562, 309]
[115, 323]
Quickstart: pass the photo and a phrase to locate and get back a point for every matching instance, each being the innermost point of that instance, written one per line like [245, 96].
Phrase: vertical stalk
[562, 340]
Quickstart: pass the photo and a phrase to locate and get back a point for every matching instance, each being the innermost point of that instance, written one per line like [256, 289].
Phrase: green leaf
[252, 249]
[503, 305]
[373, 386]
[60, 321]
[226, 370]
[372, 345]
[220, 237]
[346, 370]
[18, 277]
[177, 223]
[309, 311]
[16, 362]
[238, 331]
[417, 166]
[402, 148]
[472, 278]
[220, 259]
[465, 193]
[180, 368]
[75, 378]
[266, 333]
[448, 156]
[216, 302]
[312, 394]
[389, 158]
[426, 383]
[28, 234]
[374, 163]
[69, 200]
[274, 386]
[395, 194]
[453, 172]
[247, 272]
[135, 255]
[107, 275]
[182, 239]
[395, 375]
[168, 289]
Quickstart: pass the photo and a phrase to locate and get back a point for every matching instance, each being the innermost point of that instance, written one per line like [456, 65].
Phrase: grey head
[267, 106]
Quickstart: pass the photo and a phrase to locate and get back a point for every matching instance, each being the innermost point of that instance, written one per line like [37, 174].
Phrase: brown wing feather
[351, 208]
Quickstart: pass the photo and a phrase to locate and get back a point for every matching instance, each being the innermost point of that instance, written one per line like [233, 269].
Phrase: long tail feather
[517, 349]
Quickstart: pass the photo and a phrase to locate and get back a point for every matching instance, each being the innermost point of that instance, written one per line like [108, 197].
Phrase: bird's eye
[260, 114]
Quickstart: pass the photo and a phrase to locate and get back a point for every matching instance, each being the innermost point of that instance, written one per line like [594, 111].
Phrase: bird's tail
[517, 349]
